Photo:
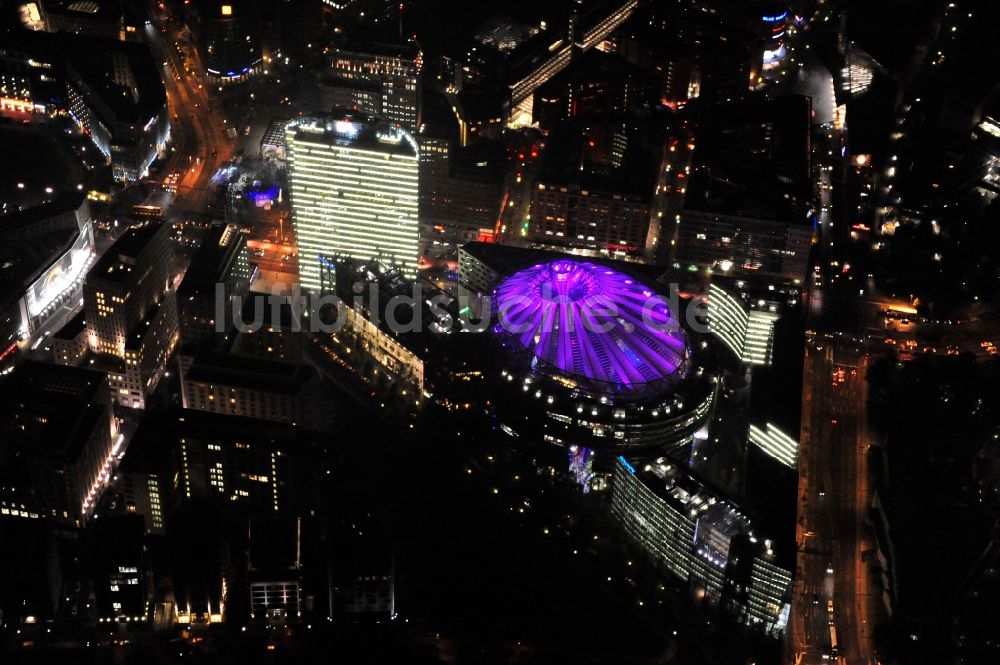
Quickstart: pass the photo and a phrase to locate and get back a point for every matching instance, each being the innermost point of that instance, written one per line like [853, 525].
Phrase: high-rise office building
[131, 313]
[243, 386]
[222, 260]
[748, 197]
[745, 326]
[460, 195]
[381, 79]
[354, 190]
[115, 93]
[229, 34]
[705, 540]
[124, 285]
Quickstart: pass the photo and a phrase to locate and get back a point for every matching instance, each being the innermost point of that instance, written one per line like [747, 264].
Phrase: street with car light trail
[833, 499]
[200, 141]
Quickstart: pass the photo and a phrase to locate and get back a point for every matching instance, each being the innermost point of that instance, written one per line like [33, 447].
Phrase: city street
[200, 142]
[831, 602]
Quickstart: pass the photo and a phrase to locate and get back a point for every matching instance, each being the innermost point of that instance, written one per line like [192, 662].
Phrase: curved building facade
[229, 34]
[46, 252]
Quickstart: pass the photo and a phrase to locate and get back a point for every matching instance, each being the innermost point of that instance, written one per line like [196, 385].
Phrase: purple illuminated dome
[591, 322]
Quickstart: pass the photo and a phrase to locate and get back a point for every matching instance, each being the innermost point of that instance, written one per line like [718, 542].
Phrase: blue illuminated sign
[774, 19]
[631, 469]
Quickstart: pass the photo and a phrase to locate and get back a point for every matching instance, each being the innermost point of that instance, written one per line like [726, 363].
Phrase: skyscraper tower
[353, 188]
[379, 79]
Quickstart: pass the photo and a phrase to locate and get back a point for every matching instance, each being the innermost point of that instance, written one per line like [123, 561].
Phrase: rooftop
[577, 154]
[408, 50]
[123, 74]
[103, 10]
[34, 160]
[116, 264]
[507, 259]
[73, 327]
[718, 519]
[210, 261]
[355, 277]
[752, 160]
[504, 33]
[138, 332]
[255, 373]
[351, 129]
[50, 410]
[591, 321]
[510, 39]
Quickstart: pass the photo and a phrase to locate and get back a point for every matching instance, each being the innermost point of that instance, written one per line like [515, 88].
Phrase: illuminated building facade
[242, 462]
[234, 385]
[577, 216]
[122, 587]
[229, 34]
[69, 343]
[147, 351]
[747, 332]
[31, 79]
[582, 34]
[704, 540]
[111, 88]
[776, 444]
[367, 289]
[381, 80]
[354, 192]
[108, 19]
[515, 57]
[124, 285]
[385, 349]
[594, 189]
[15, 82]
[143, 495]
[751, 245]
[773, 26]
[34, 291]
[131, 314]
[124, 113]
[60, 439]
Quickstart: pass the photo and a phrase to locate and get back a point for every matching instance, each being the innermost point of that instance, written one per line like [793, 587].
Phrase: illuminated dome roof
[591, 322]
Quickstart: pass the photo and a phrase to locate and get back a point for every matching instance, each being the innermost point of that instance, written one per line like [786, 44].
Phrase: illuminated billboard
[60, 280]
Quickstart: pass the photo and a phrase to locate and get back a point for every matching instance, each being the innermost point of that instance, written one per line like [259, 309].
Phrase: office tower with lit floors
[380, 79]
[354, 191]
[122, 286]
[131, 312]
